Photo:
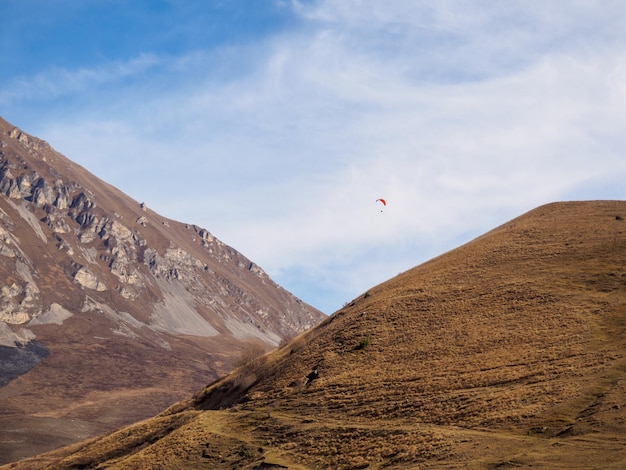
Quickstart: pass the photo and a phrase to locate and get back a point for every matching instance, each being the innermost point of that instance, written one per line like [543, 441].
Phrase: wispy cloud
[57, 82]
[462, 114]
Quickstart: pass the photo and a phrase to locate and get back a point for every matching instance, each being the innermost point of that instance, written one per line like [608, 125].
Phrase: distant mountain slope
[507, 352]
[108, 311]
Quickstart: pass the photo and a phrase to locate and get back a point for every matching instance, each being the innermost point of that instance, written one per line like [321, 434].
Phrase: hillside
[506, 352]
[110, 312]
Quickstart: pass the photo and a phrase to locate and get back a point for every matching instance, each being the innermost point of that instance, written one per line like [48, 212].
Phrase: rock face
[100, 296]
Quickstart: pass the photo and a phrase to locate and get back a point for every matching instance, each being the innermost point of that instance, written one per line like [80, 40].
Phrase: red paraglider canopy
[383, 201]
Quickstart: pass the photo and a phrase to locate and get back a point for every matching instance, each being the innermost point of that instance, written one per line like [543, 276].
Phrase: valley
[506, 352]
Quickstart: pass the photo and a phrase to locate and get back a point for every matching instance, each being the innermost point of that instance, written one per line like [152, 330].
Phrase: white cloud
[462, 114]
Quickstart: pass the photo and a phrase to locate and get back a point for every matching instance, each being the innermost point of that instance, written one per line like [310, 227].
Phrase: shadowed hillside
[506, 352]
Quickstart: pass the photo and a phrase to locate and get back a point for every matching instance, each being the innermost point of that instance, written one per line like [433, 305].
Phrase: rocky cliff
[101, 295]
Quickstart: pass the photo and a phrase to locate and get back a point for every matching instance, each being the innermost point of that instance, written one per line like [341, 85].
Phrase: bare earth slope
[506, 352]
[109, 312]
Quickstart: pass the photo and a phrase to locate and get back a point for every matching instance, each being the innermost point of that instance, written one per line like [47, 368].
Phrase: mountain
[110, 312]
[507, 352]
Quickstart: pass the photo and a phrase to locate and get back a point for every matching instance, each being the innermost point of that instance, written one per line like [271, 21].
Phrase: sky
[277, 124]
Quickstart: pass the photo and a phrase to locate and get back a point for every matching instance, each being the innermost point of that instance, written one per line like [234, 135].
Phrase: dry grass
[506, 352]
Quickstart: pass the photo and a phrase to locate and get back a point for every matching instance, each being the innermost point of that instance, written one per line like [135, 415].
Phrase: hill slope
[110, 312]
[506, 352]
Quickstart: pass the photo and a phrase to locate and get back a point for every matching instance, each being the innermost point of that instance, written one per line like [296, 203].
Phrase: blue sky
[276, 124]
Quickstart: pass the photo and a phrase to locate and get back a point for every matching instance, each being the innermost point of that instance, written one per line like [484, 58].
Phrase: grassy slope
[506, 352]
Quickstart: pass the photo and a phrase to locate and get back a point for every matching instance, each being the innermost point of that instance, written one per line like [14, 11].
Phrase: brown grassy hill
[506, 352]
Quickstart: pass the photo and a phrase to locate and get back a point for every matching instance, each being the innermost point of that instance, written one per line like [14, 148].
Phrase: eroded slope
[110, 312]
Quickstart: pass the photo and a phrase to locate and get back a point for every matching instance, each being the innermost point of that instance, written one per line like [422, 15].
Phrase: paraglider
[384, 203]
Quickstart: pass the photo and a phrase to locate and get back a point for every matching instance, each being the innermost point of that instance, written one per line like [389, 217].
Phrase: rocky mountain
[108, 311]
[507, 352]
